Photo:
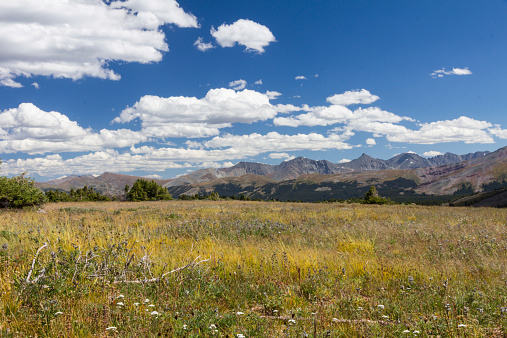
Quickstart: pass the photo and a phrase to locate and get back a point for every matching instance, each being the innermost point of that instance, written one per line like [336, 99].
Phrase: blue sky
[159, 88]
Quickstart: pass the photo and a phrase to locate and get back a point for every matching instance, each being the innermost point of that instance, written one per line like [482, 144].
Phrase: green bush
[19, 192]
[144, 190]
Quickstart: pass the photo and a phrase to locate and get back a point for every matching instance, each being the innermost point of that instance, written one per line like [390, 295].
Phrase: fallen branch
[33, 264]
[192, 264]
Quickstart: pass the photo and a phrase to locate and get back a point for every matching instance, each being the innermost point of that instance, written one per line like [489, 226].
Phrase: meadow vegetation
[252, 269]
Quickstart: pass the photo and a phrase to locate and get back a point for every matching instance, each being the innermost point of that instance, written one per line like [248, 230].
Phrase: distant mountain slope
[405, 177]
[484, 171]
[107, 183]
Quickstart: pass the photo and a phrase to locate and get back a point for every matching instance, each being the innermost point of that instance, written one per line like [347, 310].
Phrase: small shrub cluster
[19, 192]
[81, 194]
[144, 190]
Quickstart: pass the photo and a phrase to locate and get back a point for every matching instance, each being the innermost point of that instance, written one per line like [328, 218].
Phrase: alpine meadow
[243, 169]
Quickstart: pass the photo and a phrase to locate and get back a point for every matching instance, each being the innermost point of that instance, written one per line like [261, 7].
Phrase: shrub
[144, 190]
[19, 192]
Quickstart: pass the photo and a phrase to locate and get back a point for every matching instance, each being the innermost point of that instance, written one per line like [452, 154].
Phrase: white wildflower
[59, 313]
[380, 306]
[240, 335]
[416, 332]
[111, 328]
[120, 304]
[292, 321]
[406, 331]
[120, 296]
[239, 313]
[385, 317]
[212, 326]
[185, 327]
[146, 300]
[154, 313]
[151, 305]
[136, 304]
[462, 325]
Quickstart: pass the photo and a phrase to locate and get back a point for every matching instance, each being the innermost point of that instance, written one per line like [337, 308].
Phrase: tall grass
[256, 269]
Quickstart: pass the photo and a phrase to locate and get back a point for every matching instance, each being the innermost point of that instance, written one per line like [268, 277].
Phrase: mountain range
[405, 177]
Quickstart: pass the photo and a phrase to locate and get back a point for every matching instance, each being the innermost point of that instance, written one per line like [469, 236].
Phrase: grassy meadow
[252, 269]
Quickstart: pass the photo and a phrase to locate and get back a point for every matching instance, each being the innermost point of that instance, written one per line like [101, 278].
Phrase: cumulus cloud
[300, 77]
[31, 130]
[353, 97]
[180, 116]
[255, 143]
[371, 142]
[252, 35]
[258, 82]
[325, 116]
[454, 71]
[431, 153]
[498, 132]
[272, 95]
[238, 84]
[202, 46]
[73, 39]
[281, 156]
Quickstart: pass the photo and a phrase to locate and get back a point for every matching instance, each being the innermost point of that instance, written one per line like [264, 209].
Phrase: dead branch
[192, 264]
[33, 264]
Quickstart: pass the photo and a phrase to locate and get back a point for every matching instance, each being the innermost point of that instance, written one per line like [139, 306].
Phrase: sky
[160, 88]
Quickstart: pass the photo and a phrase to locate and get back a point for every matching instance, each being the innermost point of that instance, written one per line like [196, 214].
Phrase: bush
[144, 190]
[19, 192]
[372, 197]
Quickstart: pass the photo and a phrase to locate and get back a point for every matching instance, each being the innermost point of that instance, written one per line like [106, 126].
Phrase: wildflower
[239, 313]
[120, 296]
[335, 320]
[45, 287]
[154, 313]
[406, 331]
[185, 327]
[151, 305]
[212, 326]
[120, 304]
[359, 308]
[292, 321]
[385, 317]
[462, 325]
[240, 335]
[136, 304]
[275, 311]
[380, 306]
[314, 313]
[146, 300]
[58, 313]
[416, 332]
[111, 328]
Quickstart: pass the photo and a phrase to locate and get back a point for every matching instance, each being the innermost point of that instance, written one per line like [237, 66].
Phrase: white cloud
[258, 82]
[202, 46]
[498, 132]
[454, 71]
[36, 85]
[325, 116]
[300, 77]
[192, 117]
[31, 130]
[238, 84]
[272, 95]
[75, 38]
[287, 108]
[431, 153]
[371, 141]
[255, 144]
[153, 176]
[279, 156]
[250, 34]
[353, 97]
[345, 160]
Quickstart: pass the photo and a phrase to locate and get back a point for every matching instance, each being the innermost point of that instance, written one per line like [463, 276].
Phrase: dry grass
[290, 269]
